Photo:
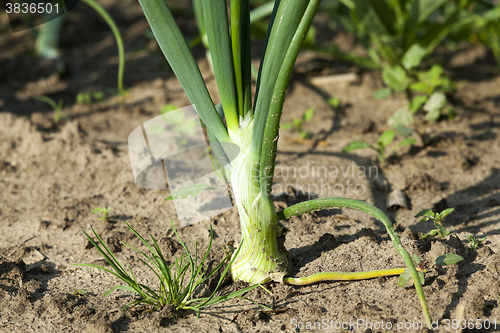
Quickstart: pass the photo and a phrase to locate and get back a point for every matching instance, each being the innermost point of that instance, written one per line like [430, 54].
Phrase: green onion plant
[252, 125]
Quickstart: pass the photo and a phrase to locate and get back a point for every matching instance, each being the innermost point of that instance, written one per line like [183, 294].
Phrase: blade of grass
[123, 288]
[217, 28]
[167, 277]
[134, 303]
[111, 259]
[161, 264]
[45, 99]
[139, 251]
[261, 305]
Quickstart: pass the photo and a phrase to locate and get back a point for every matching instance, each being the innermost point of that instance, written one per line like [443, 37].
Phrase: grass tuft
[171, 288]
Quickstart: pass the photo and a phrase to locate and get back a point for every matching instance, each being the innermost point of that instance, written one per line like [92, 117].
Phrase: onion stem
[342, 276]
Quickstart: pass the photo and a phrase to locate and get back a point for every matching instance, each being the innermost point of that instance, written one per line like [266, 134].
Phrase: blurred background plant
[48, 38]
[398, 38]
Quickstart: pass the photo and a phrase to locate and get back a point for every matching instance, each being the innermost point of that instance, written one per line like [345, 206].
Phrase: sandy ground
[52, 177]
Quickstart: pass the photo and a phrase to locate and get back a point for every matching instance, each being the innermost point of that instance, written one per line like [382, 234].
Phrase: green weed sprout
[90, 98]
[430, 86]
[104, 212]
[80, 292]
[175, 124]
[253, 126]
[383, 142]
[443, 260]
[334, 102]
[298, 122]
[474, 243]
[437, 218]
[172, 288]
[57, 107]
[401, 34]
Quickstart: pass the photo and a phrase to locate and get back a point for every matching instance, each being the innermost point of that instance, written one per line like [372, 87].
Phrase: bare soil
[51, 177]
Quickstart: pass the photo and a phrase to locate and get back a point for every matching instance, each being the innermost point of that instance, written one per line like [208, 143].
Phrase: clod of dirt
[99, 323]
[16, 304]
[421, 182]
[367, 232]
[408, 233]
[493, 202]
[83, 312]
[87, 244]
[485, 251]
[62, 303]
[411, 244]
[327, 242]
[314, 311]
[44, 225]
[159, 318]
[251, 317]
[469, 162]
[33, 286]
[12, 274]
[114, 244]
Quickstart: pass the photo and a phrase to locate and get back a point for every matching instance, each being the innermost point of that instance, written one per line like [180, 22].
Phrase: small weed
[433, 84]
[474, 243]
[430, 87]
[383, 142]
[334, 102]
[90, 98]
[444, 260]
[80, 292]
[298, 122]
[104, 212]
[57, 107]
[437, 218]
[171, 277]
